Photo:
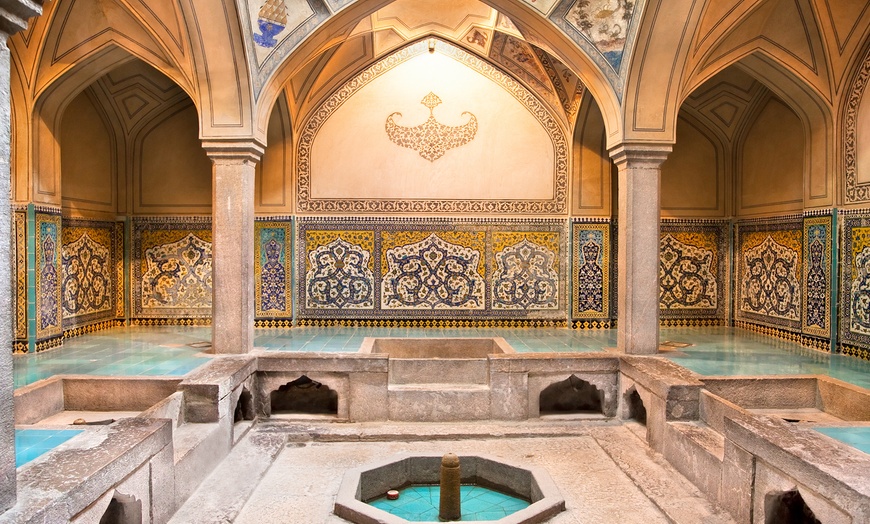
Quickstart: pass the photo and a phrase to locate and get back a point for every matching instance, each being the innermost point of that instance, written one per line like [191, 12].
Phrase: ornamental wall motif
[171, 268]
[273, 296]
[692, 269]
[770, 272]
[855, 280]
[49, 314]
[358, 268]
[420, 138]
[93, 272]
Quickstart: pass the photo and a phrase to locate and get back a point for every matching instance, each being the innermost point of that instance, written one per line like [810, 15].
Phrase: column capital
[644, 154]
[250, 150]
[14, 15]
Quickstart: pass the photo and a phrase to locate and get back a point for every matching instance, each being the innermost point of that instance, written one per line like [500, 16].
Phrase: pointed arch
[336, 29]
[46, 115]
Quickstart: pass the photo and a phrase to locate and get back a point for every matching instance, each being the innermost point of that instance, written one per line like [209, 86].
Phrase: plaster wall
[352, 156]
[593, 170]
[862, 145]
[172, 173]
[88, 162]
[771, 162]
[693, 176]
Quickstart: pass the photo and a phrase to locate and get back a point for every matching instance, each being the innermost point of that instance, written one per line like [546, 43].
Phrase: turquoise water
[349, 339]
[857, 437]
[723, 351]
[420, 503]
[172, 350]
[31, 443]
[143, 351]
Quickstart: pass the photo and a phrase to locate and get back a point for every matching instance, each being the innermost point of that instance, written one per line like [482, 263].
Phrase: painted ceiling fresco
[602, 27]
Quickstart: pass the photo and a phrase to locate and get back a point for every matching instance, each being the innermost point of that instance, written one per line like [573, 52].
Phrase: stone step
[222, 495]
[439, 370]
[438, 402]
[660, 481]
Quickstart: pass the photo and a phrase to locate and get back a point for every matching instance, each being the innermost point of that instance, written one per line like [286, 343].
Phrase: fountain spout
[449, 508]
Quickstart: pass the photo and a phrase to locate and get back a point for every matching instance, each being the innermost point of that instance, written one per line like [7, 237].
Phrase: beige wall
[592, 173]
[274, 187]
[771, 162]
[694, 174]
[172, 174]
[88, 159]
[511, 157]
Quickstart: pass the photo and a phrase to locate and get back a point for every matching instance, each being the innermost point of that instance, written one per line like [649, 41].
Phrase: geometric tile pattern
[91, 288]
[526, 271]
[433, 273]
[592, 276]
[171, 270]
[48, 274]
[272, 269]
[20, 247]
[359, 268]
[817, 280]
[339, 270]
[855, 280]
[692, 269]
[770, 272]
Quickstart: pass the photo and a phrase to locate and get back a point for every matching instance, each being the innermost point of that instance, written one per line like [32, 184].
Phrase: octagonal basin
[528, 492]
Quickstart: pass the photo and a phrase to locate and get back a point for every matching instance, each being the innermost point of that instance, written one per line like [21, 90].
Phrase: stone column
[13, 18]
[638, 246]
[233, 243]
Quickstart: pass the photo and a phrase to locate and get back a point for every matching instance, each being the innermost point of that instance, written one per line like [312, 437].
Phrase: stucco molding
[855, 192]
[306, 203]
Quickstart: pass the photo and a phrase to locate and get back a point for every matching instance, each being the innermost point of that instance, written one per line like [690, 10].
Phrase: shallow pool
[857, 437]
[420, 503]
[31, 443]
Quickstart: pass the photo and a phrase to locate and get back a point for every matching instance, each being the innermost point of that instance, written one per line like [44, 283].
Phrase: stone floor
[604, 470]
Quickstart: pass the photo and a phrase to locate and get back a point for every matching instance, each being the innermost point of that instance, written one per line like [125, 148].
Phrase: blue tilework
[145, 351]
[857, 437]
[420, 504]
[31, 443]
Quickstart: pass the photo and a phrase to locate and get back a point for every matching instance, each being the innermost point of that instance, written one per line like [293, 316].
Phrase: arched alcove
[771, 159]
[304, 396]
[123, 509]
[244, 409]
[635, 409]
[787, 507]
[572, 395]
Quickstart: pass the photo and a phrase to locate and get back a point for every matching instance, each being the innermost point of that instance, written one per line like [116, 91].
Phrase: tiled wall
[440, 270]
[854, 317]
[818, 280]
[70, 273]
[593, 290]
[48, 274]
[693, 272]
[769, 273]
[273, 271]
[19, 224]
[92, 288]
[171, 277]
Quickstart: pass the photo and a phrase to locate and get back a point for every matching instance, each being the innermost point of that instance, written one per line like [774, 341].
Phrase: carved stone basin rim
[374, 479]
